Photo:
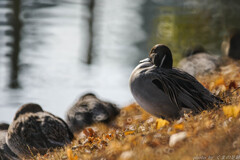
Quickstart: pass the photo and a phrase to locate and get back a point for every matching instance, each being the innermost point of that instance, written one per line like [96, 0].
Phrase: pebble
[126, 155]
[176, 138]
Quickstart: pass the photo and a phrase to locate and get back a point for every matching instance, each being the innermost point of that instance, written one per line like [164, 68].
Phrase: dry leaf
[219, 81]
[179, 126]
[89, 132]
[70, 155]
[109, 136]
[233, 85]
[231, 111]
[128, 132]
[161, 123]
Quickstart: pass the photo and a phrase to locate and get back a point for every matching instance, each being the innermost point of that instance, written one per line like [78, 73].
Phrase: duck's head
[231, 44]
[87, 96]
[4, 126]
[161, 56]
[28, 108]
[194, 50]
[234, 48]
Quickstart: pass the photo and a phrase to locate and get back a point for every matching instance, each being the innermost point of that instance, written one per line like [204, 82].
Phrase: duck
[90, 109]
[35, 131]
[231, 44]
[5, 151]
[168, 92]
[198, 61]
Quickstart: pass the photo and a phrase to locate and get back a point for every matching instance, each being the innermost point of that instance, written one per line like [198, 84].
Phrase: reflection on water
[188, 23]
[16, 25]
[53, 53]
[58, 37]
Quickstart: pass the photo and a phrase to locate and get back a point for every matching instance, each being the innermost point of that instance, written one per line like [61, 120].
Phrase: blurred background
[53, 51]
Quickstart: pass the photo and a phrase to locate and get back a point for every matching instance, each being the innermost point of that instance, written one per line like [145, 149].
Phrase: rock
[126, 155]
[176, 138]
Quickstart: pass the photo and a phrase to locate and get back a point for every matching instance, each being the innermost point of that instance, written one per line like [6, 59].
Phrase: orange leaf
[179, 126]
[90, 139]
[109, 136]
[161, 123]
[219, 81]
[70, 155]
[89, 132]
[128, 132]
[231, 111]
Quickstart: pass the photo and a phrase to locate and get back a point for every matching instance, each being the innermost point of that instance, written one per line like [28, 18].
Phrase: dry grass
[137, 135]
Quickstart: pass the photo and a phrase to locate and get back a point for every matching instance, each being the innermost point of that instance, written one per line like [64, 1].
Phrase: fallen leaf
[109, 136]
[89, 132]
[161, 123]
[231, 111]
[219, 81]
[128, 132]
[233, 85]
[70, 155]
[179, 126]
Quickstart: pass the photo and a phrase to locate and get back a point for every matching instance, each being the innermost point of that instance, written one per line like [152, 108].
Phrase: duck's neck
[167, 62]
[163, 61]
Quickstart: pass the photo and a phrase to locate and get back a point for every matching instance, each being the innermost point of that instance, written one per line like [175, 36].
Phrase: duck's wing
[55, 130]
[24, 134]
[112, 109]
[64, 124]
[184, 90]
[100, 113]
[37, 133]
[5, 152]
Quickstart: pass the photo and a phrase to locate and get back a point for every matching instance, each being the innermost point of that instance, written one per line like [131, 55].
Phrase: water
[55, 42]
[53, 50]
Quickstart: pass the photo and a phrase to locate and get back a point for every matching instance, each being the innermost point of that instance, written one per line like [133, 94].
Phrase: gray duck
[165, 91]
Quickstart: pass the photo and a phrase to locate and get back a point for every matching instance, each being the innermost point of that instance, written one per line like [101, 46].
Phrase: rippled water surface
[54, 43]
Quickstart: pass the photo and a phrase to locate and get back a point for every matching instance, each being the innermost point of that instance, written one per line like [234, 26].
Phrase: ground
[135, 134]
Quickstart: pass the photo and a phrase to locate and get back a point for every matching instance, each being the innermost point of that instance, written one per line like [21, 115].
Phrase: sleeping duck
[34, 130]
[88, 110]
[5, 152]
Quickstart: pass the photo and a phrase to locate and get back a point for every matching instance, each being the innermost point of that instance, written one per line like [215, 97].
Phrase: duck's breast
[149, 96]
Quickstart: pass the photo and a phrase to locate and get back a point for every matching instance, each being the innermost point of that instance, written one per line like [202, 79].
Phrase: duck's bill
[145, 60]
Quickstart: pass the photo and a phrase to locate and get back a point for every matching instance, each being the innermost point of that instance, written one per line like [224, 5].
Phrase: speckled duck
[5, 152]
[36, 131]
[88, 110]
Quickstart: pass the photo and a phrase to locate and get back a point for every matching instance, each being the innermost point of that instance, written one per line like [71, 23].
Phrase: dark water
[57, 38]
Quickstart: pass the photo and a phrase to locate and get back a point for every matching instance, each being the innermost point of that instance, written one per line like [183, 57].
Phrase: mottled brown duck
[34, 131]
[5, 152]
[88, 110]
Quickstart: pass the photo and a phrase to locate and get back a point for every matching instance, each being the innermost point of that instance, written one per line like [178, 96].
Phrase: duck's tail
[218, 101]
[230, 93]
[221, 100]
